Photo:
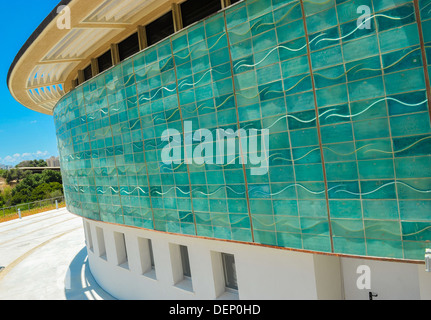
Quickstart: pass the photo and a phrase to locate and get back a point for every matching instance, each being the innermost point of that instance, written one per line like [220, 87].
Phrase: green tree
[31, 187]
[29, 182]
[15, 175]
[45, 191]
[23, 196]
[32, 164]
[6, 196]
[49, 176]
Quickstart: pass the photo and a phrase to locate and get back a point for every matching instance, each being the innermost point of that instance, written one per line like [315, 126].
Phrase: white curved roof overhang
[44, 68]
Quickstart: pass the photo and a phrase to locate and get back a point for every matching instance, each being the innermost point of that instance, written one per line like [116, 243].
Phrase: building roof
[45, 67]
[39, 169]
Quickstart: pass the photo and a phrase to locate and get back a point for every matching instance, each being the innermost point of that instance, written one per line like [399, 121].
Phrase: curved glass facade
[344, 102]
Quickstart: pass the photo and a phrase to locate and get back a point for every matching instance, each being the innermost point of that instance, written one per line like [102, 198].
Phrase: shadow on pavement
[80, 283]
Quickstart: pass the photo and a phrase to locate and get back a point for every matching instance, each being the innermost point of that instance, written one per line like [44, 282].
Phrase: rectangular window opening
[229, 270]
[181, 268]
[89, 238]
[128, 47]
[234, 1]
[105, 61]
[195, 10]
[160, 29]
[150, 246]
[101, 243]
[148, 265]
[185, 262]
[88, 73]
[121, 248]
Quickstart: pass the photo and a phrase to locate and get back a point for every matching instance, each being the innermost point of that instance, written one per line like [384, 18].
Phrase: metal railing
[22, 208]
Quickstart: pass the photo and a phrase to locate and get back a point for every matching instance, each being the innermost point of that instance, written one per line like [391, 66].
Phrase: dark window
[105, 61]
[160, 29]
[195, 10]
[229, 271]
[150, 246]
[128, 47]
[125, 246]
[88, 73]
[185, 261]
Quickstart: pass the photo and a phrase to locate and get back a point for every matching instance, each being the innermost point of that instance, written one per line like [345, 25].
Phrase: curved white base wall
[121, 265]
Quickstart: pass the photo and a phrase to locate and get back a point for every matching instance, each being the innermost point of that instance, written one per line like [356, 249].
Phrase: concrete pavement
[45, 258]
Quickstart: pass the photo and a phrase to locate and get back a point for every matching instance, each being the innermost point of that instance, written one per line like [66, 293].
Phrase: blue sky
[24, 134]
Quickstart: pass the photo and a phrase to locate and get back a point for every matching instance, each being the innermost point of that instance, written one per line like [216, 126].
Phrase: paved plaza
[43, 257]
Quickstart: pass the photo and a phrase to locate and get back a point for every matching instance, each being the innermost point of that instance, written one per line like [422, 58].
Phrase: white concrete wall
[262, 273]
[329, 282]
[391, 281]
[424, 283]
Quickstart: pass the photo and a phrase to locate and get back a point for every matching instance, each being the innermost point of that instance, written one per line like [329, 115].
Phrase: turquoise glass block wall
[346, 106]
